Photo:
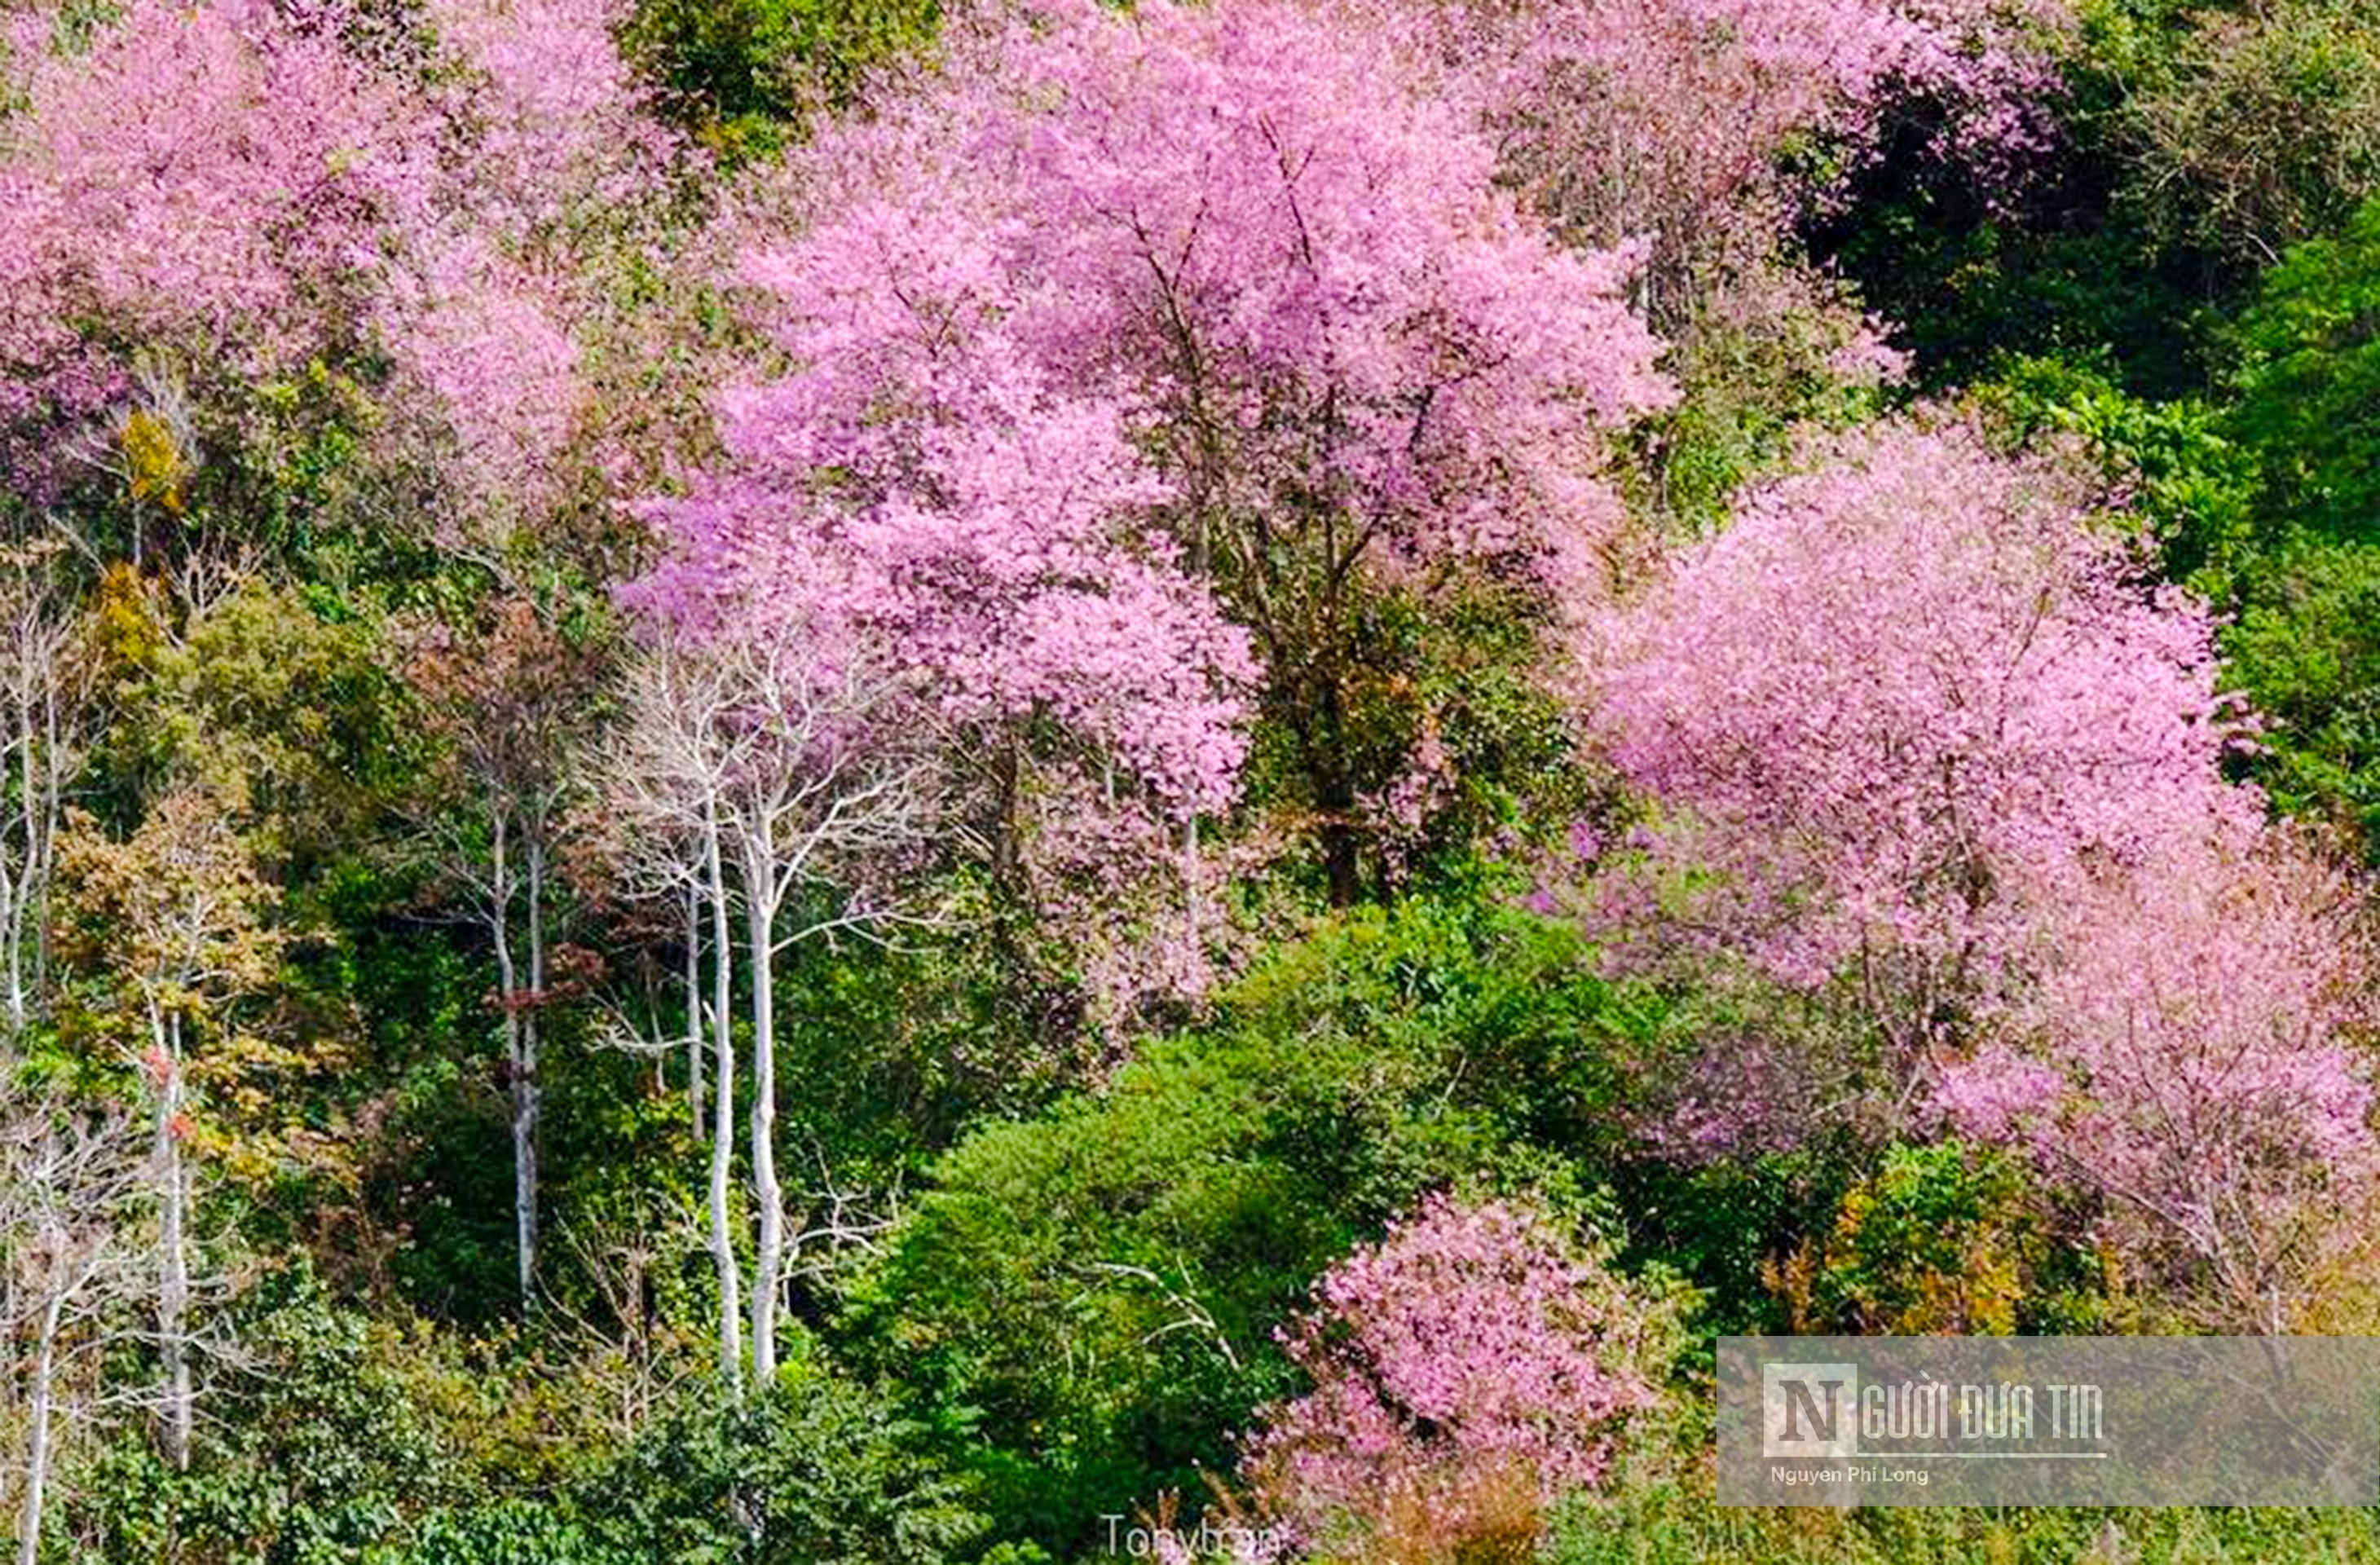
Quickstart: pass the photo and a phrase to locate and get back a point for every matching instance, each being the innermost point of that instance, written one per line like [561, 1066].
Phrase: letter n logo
[1809, 1410]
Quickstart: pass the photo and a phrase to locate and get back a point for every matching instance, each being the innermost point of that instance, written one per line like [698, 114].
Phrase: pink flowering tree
[1899, 701]
[1177, 335]
[2186, 1054]
[206, 182]
[1921, 744]
[215, 200]
[1474, 1357]
[1679, 121]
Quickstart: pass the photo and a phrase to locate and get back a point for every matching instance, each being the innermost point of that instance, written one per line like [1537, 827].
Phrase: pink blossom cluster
[1674, 119]
[1253, 237]
[242, 186]
[2184, 1051]
[213, 178]
[1093, 319]
[1903, 693]
[1919, 729]
[555, 119]
[1472, 1345]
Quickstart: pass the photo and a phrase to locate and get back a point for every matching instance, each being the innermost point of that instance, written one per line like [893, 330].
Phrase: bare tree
[45, 701]
[799, 777]
[510, 704]
[69, 1181]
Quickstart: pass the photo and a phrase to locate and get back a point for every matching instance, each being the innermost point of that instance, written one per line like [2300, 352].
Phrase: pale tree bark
[188, 912]
[806, 780]
[768, 1195]
[65, 1183]
[38, 1400]
[722, 1139]
[42, 700]
[694, 1028]
[510, 699]
[172, 1241]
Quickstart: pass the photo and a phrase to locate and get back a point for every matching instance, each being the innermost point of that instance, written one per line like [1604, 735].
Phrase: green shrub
[1087, 1300]
[823, 1469]
[2255, 128]
[741, 74]
[2308, 382]
[2306, 652]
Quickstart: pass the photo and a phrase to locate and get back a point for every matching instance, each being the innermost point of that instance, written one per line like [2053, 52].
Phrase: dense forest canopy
[808, 780]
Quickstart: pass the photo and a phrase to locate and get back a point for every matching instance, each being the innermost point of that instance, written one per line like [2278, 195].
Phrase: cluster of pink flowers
[1904, 691]
[213, 178]
[1673, 118]
[1472, 1346]
[2184, 1051]
[1920, 729]
[242, 186]
[1078, 316]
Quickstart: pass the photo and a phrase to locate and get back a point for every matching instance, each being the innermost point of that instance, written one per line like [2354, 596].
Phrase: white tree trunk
[722, 1137]
[519, 1087]
[36, 1436]
[694, 1029]
[12, 965]
[768, 1248]
[174, 1286]
[528, 1094]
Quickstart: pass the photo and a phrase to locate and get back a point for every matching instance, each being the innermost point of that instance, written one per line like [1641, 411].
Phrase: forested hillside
[814, 782]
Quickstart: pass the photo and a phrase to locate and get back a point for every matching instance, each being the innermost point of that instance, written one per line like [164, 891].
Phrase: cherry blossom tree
[1474, 1346]
[1675, 121]
[1919, 737]
[2186, 1053]
[208, 180]
[1146, 325]
[1891, 710]
[241, 189]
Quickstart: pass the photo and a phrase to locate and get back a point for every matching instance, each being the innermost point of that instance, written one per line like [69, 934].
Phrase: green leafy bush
[742, 74]
[2309, 382]
[1086, 1300]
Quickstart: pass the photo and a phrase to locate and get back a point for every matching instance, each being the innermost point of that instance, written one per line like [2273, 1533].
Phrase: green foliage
[2249, 128]
[1939, 1238]
[1749, 378]
[1085, 1301]
[2306, 651]
[742, 74]
[1672, 1518]
[2309, 381]
[263, 693]
[2186, 473]
[321, 1450]
[821, 1471]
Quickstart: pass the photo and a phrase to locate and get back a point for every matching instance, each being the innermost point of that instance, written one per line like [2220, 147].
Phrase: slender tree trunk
[36, 1436]
[1334, 794]
[694, 1029]
[174, 1289]
[44, 842]
[768, 1249]
[17, 881]
[518, 1085]
[722, 1137]
[529, 1093]
[11, 946]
